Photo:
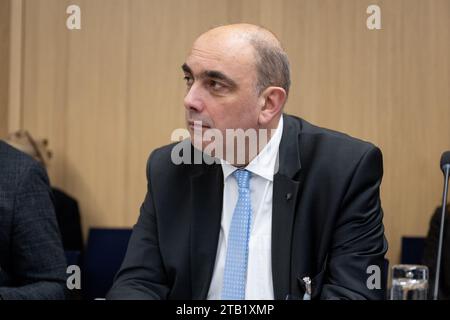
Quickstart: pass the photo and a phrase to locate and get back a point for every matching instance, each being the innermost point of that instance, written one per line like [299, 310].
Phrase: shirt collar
[265, 163]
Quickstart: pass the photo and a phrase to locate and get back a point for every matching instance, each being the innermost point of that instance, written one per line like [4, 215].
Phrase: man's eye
[188, 80]
[215, 85]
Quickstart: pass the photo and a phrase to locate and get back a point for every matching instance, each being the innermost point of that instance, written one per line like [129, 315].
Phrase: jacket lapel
[207, 191]
[286, 193]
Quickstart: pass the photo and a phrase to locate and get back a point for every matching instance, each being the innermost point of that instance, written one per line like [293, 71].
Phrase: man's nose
[193, 101]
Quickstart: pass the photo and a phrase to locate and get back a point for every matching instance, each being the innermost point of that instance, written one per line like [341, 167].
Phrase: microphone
[445, 166]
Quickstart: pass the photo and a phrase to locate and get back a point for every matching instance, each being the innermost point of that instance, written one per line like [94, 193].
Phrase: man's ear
[272, 101]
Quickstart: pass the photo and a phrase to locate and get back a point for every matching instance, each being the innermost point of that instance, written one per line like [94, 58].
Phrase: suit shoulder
[162, 157]
[163, 154]
[15, 165]
[330, 137]
[172, 160]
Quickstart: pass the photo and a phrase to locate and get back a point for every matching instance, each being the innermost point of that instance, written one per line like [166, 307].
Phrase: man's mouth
[198, 124]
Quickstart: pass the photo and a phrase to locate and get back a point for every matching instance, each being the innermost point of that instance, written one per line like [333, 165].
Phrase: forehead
[234, 58]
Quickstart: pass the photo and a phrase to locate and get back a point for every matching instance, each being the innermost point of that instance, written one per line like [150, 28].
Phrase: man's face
[221, 85]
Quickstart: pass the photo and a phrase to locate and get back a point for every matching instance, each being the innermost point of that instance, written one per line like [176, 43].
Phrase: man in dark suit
[300, 219]
[32, 262]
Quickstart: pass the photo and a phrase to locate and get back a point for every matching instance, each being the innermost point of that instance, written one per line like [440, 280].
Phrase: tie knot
[242, 178]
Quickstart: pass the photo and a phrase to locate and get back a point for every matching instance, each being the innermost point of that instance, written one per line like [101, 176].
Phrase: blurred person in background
[66, 207]
[32, 262]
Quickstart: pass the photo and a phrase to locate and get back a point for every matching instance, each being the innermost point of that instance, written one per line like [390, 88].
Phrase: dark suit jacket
[327, 221]
[430, 254]
[32, 262]
[68, 217]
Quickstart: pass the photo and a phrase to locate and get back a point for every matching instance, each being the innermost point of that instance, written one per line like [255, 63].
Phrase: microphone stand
[446, 169]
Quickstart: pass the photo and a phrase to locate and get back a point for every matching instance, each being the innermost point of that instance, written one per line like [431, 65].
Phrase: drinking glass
[409, 282]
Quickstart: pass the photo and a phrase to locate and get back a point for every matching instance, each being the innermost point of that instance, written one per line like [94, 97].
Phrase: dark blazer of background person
[430, 254]
[327, 221]
[69, 222]
[32, 262]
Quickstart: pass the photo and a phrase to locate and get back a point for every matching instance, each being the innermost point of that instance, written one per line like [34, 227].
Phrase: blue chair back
[105, 251]
[412, 250]
[72, 257]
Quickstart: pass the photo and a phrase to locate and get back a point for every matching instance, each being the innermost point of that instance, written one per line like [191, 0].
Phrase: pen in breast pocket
[307, 295]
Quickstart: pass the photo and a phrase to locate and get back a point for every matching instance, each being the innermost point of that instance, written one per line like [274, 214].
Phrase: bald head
[261, 47]
[244, 32]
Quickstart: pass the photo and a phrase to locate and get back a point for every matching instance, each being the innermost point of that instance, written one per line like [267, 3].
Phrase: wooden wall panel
[110, 93]
[4, 64]
[44, 72]
[97, 102]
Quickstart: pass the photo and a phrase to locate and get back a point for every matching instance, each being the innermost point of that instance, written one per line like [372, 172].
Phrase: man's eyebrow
[213, 74]
[186, 68]
[220, 76]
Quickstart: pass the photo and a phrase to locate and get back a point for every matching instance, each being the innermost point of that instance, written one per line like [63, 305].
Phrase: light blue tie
[235, 274]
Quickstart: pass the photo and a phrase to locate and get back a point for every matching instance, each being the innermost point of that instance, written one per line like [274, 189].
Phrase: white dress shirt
[259, 285]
